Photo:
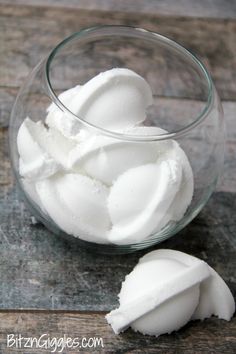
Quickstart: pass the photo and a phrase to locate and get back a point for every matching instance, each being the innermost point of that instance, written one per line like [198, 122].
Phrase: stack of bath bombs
[94, 185]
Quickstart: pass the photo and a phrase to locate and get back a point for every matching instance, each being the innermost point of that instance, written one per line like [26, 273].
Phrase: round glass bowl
[116, 182]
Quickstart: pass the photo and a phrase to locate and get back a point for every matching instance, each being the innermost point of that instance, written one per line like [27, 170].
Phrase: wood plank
[200, 8]
[7, 98]
[28, 32]
[228, 182]
[5, 167]
[210, 336]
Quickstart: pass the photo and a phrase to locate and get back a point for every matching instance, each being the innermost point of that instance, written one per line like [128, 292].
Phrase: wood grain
[7, 98]
[5, 168]
[25, 38]
[200, 8]
[196, 337]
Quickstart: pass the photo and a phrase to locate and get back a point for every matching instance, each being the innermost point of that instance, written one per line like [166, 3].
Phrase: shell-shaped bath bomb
[34, 162]
[60, 120]
[113, 100]
[77, 204]
[184, 195]
[140, 198]
[165, 290]
[173, 313]
[105, 158]
[215, 296]
[29, 188]
[43, 151]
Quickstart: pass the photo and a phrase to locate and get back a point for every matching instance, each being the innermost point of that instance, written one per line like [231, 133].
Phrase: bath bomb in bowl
[140, 198]
[105, 158]
[114, 99]
[77, 204]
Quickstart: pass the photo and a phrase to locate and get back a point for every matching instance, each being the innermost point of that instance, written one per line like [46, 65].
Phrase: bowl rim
[136, 32]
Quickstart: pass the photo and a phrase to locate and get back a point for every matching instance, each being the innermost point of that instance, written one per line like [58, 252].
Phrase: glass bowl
[145, 183]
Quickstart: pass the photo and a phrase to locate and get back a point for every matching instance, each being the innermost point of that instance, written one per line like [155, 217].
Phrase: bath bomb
[185, 193]
[105, 158]
[140, 198]
[164, 291]
[215, 296]
[113, 100]
[215, 299]
[29, 188]
[60, 120]
[34, 162]
[77, 204]
[48, 152]
[184, 196]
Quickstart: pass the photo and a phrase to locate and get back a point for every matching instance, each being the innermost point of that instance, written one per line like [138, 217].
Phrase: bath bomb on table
[165, 290]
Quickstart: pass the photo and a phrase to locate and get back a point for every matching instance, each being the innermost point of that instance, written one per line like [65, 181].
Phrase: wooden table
[64, 289]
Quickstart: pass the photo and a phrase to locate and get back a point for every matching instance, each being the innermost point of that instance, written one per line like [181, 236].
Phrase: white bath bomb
[77, 204]
[60, 119]
[172, 314]
[34, 161]
[105, 158]
[29, 188]
[184, 196]
[140, 198]
[114, 99]
[165, 290]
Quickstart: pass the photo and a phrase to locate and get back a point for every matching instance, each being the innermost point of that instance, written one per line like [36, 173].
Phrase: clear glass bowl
[186, 106]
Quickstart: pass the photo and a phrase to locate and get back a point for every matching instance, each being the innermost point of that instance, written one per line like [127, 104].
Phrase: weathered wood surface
[40, 270]
[25, 38]
[197, 337]
[200, 8]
